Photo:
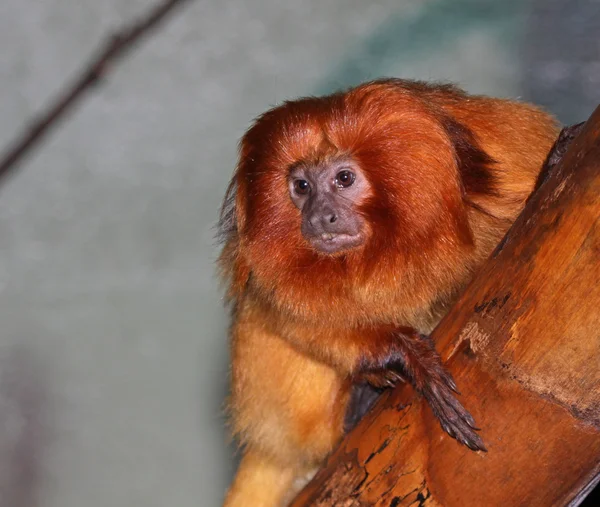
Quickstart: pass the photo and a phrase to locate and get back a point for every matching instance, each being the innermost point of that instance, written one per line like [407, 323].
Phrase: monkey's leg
[286, 408]
[416, 360]
[259, 482]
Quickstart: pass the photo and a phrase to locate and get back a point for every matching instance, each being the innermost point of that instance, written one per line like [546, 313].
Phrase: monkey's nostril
[332, 219]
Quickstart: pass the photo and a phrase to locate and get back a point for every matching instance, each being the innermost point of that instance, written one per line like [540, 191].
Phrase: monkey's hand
[416, 360]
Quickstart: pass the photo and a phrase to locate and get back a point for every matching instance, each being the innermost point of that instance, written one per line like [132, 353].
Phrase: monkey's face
[327, 196]
[346, 202]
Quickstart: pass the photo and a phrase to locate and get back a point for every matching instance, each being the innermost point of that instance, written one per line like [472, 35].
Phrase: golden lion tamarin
[351, 223]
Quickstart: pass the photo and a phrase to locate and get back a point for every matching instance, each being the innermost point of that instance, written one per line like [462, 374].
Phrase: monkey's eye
[344, 178]
[301, 187]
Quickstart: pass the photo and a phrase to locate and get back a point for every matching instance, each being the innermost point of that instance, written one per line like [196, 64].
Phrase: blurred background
[113, 334]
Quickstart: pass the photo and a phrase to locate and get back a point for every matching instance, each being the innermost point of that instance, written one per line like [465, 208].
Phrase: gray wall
[113, 352]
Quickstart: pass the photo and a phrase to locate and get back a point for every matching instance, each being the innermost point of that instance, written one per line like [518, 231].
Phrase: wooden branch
[523, 343]
[115, 48]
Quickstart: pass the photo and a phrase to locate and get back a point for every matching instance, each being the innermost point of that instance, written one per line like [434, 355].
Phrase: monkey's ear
[474, 164]
[232, 217]
[232, 263]
[227, 226]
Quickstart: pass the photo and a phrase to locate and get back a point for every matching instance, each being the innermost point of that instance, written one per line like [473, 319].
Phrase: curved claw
[451, 384]
[454, 418]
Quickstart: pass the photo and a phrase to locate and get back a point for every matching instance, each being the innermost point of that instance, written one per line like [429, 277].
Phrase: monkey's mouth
[333, 242]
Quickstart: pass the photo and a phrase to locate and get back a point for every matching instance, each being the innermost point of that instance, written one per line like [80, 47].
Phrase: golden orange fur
[449, 172]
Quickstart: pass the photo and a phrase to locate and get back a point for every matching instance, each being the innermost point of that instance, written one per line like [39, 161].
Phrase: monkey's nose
[322, 221]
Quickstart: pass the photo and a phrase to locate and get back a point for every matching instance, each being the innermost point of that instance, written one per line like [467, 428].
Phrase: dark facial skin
[328, 195]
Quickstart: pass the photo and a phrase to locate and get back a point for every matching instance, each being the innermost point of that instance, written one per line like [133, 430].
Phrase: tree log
[523, 344]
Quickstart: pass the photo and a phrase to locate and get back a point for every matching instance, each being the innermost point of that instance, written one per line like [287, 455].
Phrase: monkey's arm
[413, 357]
[382, 356]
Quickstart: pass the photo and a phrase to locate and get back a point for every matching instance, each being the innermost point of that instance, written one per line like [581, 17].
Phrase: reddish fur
[449, 173]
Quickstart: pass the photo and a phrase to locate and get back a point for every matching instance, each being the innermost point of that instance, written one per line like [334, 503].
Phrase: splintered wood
[523, 344]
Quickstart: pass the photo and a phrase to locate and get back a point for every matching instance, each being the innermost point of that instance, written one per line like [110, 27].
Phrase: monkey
[351, 224]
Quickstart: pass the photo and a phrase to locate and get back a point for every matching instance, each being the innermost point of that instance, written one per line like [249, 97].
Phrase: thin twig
[112, 50]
